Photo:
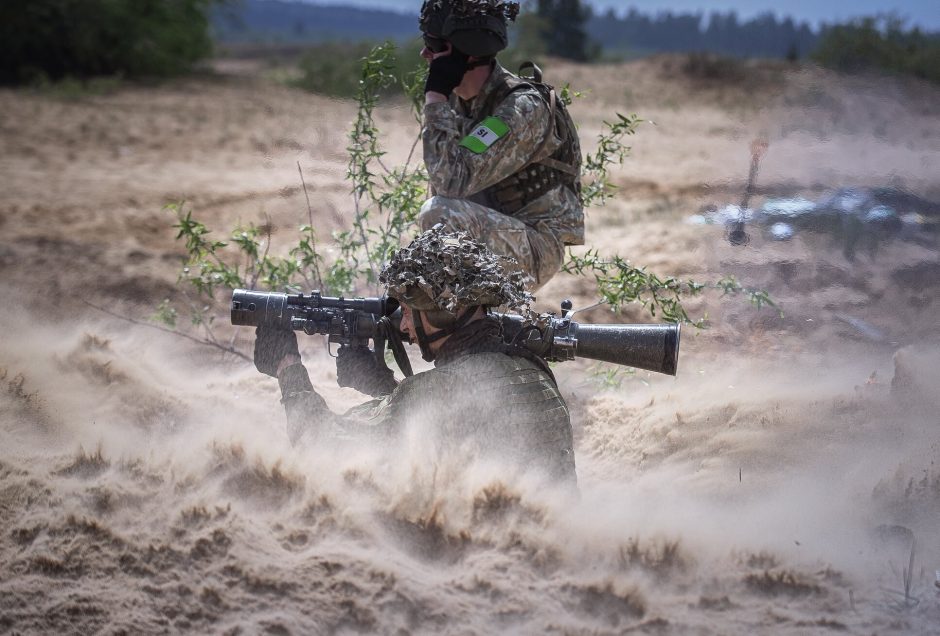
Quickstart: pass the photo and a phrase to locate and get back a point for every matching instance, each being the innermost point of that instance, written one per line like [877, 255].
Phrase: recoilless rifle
[354, 322]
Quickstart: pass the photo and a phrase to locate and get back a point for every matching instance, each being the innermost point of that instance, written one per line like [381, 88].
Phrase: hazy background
[921, 12]
[786, 481]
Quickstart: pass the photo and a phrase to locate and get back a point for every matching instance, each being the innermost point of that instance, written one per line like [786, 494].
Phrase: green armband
[486, 133]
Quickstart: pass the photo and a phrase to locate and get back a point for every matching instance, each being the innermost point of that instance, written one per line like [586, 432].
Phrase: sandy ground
[775, 486]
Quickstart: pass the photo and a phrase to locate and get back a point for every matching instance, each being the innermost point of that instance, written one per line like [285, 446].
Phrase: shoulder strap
[553, 105]
[533, 81]
[550, 128]
[536, 71]
[502, 92]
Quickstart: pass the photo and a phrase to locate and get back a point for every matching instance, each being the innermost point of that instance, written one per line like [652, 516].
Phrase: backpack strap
[537, 78]
[536, 71]
[549, 133]
[552, 103]
[550, 129]
[540, 175]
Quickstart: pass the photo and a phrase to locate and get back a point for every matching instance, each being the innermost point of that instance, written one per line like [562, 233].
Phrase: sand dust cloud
[776, 485]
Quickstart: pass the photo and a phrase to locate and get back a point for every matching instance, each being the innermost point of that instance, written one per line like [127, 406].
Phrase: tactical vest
[538, 177]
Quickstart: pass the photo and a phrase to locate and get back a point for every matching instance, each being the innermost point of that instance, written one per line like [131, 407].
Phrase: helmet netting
[455, 272]
[504, 9]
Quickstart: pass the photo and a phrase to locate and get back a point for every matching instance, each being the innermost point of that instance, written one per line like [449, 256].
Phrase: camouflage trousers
[538, 250]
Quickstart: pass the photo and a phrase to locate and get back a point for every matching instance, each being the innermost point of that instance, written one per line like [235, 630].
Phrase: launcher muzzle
[649, 347]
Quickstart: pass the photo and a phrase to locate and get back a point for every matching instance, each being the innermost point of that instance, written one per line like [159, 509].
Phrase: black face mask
[424, 340]
[435, 44]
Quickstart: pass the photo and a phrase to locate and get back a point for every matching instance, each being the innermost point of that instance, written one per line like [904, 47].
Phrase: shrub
[880, 44]
[54, 39]
[334, 68]
[701, 65]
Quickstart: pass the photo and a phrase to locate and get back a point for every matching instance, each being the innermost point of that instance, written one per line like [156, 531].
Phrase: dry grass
[254, 480]
[761, 560]
[496, 502]
[607, 602]
[24, 403]
[661, 558]
[51, 566]
[195, 516]
[824, 623]
[25, 536]
[212, 547]
[14, 387]
[715, 604]
[781, 583]
[86, 465]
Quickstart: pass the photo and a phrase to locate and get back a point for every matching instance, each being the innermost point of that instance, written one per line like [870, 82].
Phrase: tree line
[44, 40]
[721, 33]
[568, 29]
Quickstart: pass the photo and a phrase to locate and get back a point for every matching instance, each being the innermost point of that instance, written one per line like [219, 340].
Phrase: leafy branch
[610, 150]
[363, 145]
[620, 283]
[171, 330]
[386, 203]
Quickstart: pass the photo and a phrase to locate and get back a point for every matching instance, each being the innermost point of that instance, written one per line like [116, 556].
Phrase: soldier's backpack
[563, 166]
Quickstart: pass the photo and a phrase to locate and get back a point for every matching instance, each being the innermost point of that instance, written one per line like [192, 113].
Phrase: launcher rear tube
[650, 347]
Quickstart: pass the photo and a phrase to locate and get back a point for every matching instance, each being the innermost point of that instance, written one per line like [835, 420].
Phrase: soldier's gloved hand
[357, 368]
[446, 72]
[271, 345]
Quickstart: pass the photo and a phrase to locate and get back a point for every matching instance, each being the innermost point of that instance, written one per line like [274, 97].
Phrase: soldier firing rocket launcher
[354, 322]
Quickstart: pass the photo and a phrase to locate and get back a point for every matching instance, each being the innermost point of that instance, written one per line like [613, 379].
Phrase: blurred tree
[635, 33]
[52, 39]
[880, 43]
[563, 29]
[529, 33]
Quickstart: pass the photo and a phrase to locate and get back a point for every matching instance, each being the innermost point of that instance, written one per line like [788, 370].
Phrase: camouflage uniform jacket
[506, 405]
[459, 172]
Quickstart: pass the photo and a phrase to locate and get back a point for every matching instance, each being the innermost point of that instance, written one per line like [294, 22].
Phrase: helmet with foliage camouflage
[475, 27]
[444, 271]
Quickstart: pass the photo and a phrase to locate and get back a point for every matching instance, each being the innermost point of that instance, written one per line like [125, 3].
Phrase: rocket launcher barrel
[649, 347]
[555, 339]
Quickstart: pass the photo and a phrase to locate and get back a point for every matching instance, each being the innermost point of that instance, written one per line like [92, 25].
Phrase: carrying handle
[536, 71]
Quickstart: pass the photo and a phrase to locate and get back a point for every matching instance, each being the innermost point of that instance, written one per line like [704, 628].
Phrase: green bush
[702, 65]
[880, 44]
[334, 68]
[53, 39]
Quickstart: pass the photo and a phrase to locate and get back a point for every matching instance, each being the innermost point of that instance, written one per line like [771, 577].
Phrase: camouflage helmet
[449, 271]
[475, 27]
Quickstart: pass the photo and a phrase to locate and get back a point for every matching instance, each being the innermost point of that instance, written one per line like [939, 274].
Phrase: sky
[924, 13]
